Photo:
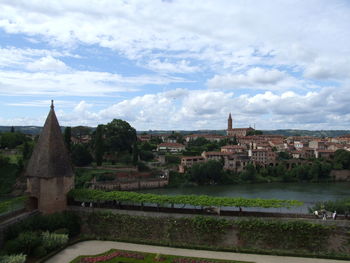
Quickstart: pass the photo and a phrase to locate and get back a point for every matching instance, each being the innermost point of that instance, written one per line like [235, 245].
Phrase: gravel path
[96, 247]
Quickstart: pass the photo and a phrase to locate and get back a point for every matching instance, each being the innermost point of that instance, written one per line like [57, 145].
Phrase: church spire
[229, 122]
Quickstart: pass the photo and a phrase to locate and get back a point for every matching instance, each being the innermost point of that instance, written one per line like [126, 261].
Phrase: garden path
[96, 247]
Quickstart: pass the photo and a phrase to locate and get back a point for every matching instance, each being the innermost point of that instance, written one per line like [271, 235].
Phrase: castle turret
[49, 172]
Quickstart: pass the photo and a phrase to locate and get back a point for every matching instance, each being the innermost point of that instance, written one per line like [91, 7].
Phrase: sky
[176, 64]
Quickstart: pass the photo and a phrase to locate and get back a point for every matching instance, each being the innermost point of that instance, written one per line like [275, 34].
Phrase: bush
[24, 243]
[19, 258]
[39, 252]
[52, 241]
[50, 223]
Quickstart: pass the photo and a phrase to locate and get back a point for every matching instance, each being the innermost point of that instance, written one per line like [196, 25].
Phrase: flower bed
[107, 257]
[114, 256]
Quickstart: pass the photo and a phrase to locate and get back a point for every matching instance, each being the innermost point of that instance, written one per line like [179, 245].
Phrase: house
[262, 156]
[233, 148]
[171, 147]
[189, 161]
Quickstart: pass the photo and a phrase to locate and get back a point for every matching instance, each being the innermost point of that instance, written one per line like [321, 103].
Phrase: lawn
[123, 256]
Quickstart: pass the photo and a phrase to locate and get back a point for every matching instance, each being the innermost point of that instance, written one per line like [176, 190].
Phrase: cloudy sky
[176, 64]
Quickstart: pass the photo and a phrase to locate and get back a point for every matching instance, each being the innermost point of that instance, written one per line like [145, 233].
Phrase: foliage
[9, 172]
[142, 167]
[342, 159]
[80, 131]
[67, 137]
[81, 155]
[52, 241]
[254, 132]
[25, 243]
[195, 200]
[207, 172]
[11, 204]
[119, 136]
[284, 234]
[99, 146]
[146, 155]
[11, 140]
[342, 206]
[50, 223]
[284, 156]
[172, 159]
[18, 258]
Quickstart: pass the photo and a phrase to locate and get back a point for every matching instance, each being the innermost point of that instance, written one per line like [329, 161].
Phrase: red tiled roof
[171, 144]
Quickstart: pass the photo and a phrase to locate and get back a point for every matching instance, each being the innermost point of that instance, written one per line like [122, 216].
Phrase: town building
[236, 131]
[171, 147]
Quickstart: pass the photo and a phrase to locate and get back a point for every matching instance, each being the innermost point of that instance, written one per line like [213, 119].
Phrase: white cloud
[47, 63]
[75, 83]
[181, 66]
[255, 78]
[222, 33]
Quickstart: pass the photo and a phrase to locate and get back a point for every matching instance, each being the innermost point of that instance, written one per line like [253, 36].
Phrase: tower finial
[52, 105]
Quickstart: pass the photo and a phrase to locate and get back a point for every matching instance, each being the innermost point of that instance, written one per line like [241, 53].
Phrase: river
[309, 193]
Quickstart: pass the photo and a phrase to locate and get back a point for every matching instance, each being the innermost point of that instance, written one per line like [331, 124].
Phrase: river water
[309, 193]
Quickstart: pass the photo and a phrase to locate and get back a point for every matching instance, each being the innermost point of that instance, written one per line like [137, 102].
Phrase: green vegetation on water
[90, 195]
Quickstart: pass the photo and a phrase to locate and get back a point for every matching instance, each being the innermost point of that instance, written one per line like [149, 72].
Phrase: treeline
[212, 172]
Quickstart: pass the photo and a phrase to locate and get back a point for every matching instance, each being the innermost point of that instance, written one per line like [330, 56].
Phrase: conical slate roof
[50, 157]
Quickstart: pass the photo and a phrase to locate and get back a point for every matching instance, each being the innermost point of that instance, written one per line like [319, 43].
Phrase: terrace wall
[280, 236]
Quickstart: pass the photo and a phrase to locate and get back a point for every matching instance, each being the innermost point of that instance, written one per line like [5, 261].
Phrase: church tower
[49, 172]
[229, 122]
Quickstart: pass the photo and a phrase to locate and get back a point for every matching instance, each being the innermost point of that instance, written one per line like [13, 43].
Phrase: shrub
[24, 243]
[40, 252]
[50, 223]
[19, 258]
[52, 241]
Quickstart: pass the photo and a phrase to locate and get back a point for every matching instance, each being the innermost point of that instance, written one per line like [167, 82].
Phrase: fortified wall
[257, 235]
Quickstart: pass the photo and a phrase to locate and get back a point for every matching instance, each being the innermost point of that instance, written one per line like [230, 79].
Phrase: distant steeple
[229, 122]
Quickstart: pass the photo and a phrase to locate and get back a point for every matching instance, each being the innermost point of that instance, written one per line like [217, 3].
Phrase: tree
[342, 159]
[27, 150]
[208, 172]
[80, 131]
[119, 136]
[12, 129]
[68, 138]
[12, 139]
[250, 173]
[80, 155]
[99, 147]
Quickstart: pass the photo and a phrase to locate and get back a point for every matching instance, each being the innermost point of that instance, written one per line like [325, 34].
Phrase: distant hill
[285, 132]
[34, 130]
[316, 133]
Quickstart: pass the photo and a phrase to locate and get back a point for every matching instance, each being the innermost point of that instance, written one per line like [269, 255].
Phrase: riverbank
[308, 193]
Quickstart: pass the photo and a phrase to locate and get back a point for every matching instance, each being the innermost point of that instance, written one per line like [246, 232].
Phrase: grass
[153, 258]
[8, 177]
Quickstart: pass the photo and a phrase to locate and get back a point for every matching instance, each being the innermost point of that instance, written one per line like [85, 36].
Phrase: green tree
[208, 172]
[119, 136]
[250, 173]
[99, 146]
[11, 140]
[80, 131]
[342, 159]
[80, 155]
[68, 138]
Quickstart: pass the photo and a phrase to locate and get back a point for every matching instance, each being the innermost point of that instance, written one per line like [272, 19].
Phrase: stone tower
[229, 122]
[49, 172]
